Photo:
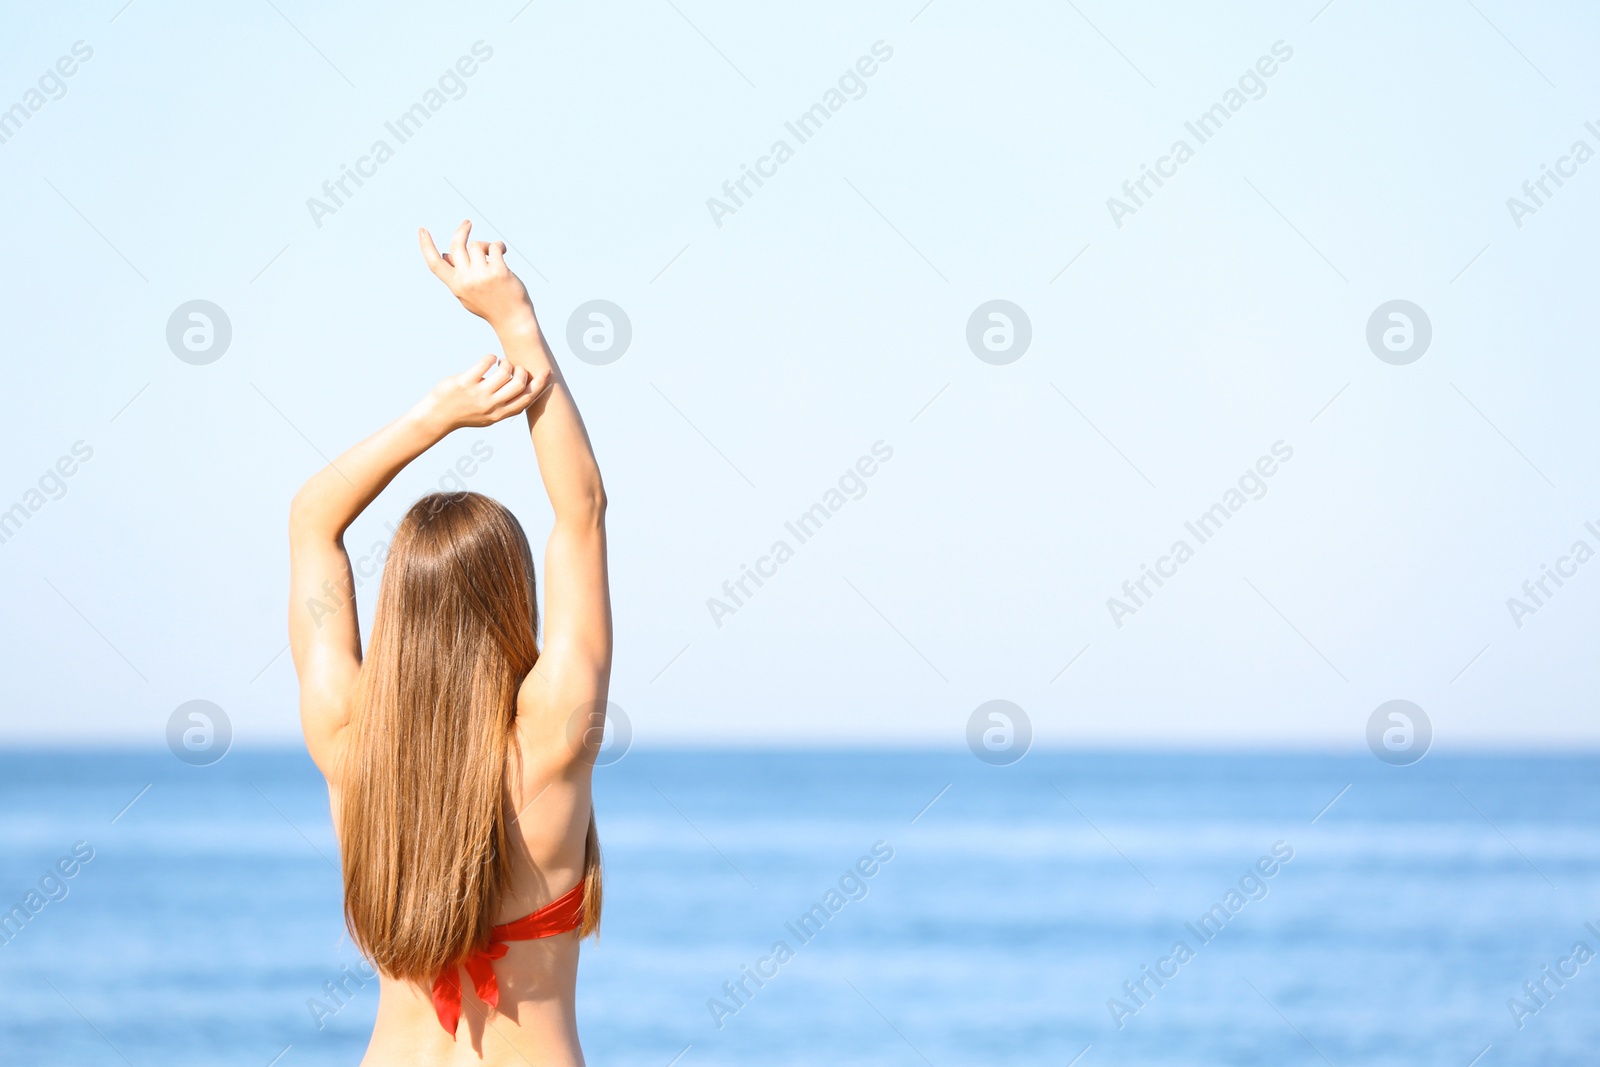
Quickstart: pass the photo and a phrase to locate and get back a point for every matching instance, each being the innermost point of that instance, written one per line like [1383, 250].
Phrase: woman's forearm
[330, 501]
[480, 396]
[566, 459]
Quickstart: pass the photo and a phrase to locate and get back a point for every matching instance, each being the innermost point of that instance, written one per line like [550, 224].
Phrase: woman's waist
[535, 1021]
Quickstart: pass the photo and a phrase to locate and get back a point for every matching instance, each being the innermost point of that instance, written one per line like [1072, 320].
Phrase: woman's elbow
[306, 511]
[587, 507]
[594, 504]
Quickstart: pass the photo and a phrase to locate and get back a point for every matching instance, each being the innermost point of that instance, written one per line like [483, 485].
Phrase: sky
[1183, 339]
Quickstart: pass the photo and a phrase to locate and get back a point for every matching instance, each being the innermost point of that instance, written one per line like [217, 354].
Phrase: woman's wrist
[519, 323]
[524, 346]
[426, 424]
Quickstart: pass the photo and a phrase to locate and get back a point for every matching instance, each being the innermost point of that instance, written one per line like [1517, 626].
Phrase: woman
[458, 754]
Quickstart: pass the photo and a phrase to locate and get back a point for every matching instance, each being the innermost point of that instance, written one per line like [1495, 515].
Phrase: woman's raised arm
[324, 635]
[575, 661]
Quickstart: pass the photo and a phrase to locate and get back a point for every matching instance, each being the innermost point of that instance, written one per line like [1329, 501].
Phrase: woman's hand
[492, 390]
[478, 276]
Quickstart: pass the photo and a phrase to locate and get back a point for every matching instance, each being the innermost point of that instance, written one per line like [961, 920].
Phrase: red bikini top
[556, 917]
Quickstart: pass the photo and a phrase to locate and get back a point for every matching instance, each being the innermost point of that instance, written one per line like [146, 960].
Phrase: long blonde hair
[423, 825]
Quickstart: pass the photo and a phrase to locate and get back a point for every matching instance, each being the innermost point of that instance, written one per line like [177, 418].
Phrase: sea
[781, 907]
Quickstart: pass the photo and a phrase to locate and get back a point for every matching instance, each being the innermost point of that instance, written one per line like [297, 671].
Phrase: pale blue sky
[772, 352]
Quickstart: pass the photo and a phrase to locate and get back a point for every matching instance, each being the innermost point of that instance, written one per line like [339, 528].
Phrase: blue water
[1012, 909]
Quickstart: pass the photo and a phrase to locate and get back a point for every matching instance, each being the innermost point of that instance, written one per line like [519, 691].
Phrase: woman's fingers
[431, 256]
[479, 250]
[538, 385]
[458, 243]
[521, 393]
[513, 387]
[497, 254]
[497, 377]
[475, 375]
[520, 402]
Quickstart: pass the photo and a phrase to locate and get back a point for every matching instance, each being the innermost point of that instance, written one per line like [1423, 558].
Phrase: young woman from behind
[458, 753]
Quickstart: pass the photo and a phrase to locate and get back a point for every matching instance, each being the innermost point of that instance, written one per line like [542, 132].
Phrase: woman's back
[535, 1020]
